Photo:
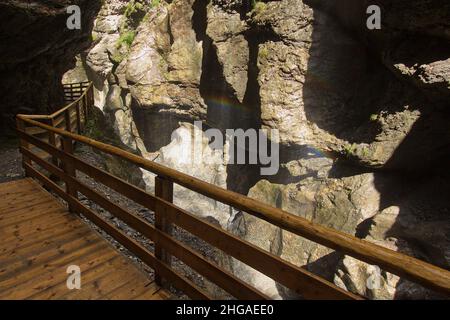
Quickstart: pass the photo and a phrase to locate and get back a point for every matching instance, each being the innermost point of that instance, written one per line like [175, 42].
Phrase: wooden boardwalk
[39, 239]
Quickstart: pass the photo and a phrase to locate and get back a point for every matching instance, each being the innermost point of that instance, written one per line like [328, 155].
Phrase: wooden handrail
[132, 245]
[62, 110]
[181, 251]
[74, 116]
[397, 263]
[299, 280]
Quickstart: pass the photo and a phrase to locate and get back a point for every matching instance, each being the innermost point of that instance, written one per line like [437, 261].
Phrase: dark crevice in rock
[252, 97]
[200, 19]
[155, 127]
[123, 96]
[246, 7]
[263, 33]
[224, 109]
[350, 102]
[242, 177]
[169, 29]
[214, 89]
[36, 50]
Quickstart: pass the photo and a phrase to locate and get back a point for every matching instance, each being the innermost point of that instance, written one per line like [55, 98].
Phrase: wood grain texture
[74, 116]
[394, 262]
[305, 283]
[39, 239]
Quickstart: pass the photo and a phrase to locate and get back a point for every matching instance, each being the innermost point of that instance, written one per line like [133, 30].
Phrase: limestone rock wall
[363, 118]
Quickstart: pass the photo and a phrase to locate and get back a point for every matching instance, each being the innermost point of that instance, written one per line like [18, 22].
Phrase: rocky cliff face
[362, 117]
[36, 49]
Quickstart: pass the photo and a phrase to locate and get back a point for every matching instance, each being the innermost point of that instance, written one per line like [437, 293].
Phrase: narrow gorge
[362, 115]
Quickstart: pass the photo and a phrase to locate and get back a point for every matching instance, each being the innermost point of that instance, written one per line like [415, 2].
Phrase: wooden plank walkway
[39, 239]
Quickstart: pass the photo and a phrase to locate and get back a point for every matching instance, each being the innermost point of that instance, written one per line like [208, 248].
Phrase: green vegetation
[373, 117]
[350, 149]
[146, 17]
[263, 53]
[135, 12]
[136, 7]
[117, 57]
[126, 39]
[365, 152]
[94, 37]
[133, 7]
[123, 46]
[155, 3]
[258, 6]
[162, 63]
[91, 128]
[98, 128]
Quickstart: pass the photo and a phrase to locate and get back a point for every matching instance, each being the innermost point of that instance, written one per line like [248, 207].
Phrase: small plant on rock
[349, 149]
[133, 7]
[263, 53]
[126, 39]
[258, 6]
[155, 3]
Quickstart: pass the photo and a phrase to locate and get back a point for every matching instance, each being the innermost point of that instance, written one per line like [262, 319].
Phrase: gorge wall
[362, 115]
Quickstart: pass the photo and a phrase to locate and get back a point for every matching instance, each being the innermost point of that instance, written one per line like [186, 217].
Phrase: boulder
[341, 204]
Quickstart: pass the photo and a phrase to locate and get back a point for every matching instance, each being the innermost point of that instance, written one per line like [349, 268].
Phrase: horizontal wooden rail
[298, 279]
[402, 265]
[222, 278]
[87, 91]
[128, 190]
[74, 91]
[73, 117]
[141, 252]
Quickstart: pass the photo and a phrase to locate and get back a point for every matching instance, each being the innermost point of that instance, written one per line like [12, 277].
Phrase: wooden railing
[73, 91]
[167, 215]
[71, 118]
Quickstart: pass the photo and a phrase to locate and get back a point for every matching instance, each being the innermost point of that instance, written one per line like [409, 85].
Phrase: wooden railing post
[86, 105]
[68, 120]
[91, 96]
[163, 190]
[77, 106]
[84, 111]
[91, 100]
[21, 126]
[71, 92]
[69, 169]
[52, 139]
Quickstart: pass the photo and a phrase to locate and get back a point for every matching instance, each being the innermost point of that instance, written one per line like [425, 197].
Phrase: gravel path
[10, 161]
